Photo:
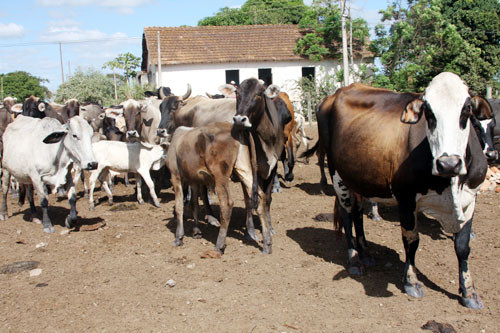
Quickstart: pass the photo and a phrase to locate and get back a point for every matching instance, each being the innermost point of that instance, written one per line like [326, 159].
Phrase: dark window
[266, 76]
[308, 72]
[233, 75]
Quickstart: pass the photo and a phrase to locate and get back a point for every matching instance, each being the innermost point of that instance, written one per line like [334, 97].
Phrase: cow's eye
[75, 136]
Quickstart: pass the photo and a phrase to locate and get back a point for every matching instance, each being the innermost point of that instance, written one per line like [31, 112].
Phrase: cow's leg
[105, 187]
[21, 193]
[349, 212]
[373, 213]
[209, 213]
[149, 182]
[31, 201]
[361, 244]
[250, 232]
[85, 187]
[44, 203]
[276, 183]
[409, 230]
[138, 187]
[179, 209]
[290, 160]
[470, 298]
[94, 175]
[73, 215]
[5, 189]
[226, 207]
[126, 180]
[195, 209]
[264, 213]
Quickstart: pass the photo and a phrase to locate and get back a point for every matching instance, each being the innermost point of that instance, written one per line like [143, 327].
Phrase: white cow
[39, 152]
[117, 156]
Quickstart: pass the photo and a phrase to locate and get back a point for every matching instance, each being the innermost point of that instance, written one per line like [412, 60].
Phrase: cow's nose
[492, 155]
[161, 132]
[91, 166]
[448, 166]
[241, 121]
[132, 134]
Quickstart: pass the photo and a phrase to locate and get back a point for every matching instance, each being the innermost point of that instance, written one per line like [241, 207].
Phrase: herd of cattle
[427, 153]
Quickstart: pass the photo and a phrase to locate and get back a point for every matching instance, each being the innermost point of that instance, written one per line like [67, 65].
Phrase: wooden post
[1, 80]
[488, 91]
[159, 61]
[309, 111]
[345, 60]
[60, 58]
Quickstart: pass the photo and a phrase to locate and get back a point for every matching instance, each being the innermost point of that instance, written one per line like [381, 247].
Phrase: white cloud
[124, 7]
[11, 30]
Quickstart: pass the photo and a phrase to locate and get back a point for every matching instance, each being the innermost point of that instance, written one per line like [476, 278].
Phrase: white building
[209, 56]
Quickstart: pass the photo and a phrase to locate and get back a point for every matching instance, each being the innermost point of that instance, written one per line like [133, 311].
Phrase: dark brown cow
[208, 156]
[380, 145]
[8, 102]
[256, 113]
[36, 108]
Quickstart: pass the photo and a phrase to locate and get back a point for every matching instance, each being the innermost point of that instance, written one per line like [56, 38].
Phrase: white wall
[208, 77]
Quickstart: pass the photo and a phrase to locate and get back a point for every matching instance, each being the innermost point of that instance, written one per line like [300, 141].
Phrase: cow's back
[366, 127]
[24, 150]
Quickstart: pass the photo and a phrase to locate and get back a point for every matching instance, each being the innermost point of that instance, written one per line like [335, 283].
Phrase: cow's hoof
[15, 195]
[91, 208]
[473, 235]
[272, 232]
[356, 269]
[289, 177]
[252, 235]
[49, 229]
[110, 202]
[36, 220]
[277, 189]
[212, 220]
[196, 233]
[474, 302]
[414, 290]
[157, 204]
[140, 201]
[374, 217]
[4, 216]
[68, 222]
[178, 242]
[86, 195]
[267, 249]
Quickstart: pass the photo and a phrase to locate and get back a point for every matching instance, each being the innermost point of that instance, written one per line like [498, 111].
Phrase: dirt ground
[114, 279]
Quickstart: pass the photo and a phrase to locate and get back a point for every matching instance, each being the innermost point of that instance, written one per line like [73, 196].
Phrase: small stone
[188, 302]
[19, 232]
[170, 283]
[35, 272]
[65, 232]
[191, 266]
[42, 244]
[119, 236]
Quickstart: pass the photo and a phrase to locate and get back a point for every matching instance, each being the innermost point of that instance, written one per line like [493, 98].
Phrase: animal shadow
[323, 243]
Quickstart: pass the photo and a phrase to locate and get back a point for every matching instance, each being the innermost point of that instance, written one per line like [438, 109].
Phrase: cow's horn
[188, 93]
[161, 93]
[208, 95]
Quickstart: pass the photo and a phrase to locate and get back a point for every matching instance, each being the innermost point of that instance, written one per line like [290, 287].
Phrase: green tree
[22, 84]
[128, 63]
[431, 36]
[258, 12]
[87, 86]
[321, 23]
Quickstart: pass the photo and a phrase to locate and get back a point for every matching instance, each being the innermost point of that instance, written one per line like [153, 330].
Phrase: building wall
[208, 77]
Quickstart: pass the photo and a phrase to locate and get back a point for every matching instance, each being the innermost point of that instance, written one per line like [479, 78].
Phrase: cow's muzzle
[448, 166]
[239, 120]
[132, 134]
[162, 132]
[491, 155]
[91, 166]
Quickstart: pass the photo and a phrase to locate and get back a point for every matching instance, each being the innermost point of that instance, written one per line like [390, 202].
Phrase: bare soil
[113, 279]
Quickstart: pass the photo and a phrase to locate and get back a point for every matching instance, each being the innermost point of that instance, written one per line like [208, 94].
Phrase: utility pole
[69, 69]
[60, 58]
[159, 61]
[351, 57]
[1, 80]
[345, 60]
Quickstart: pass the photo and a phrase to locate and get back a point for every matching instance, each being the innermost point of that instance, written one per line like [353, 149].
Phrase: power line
[70, 41]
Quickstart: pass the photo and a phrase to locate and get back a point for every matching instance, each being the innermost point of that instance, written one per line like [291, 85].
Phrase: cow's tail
[311, 151]
[254, 196]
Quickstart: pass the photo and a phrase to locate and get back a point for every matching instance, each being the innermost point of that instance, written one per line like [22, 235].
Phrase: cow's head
[34, 107]
[168, 107]
[484, 124]
[251, 102]
[133, 111]
[448, 107]
[76, 135]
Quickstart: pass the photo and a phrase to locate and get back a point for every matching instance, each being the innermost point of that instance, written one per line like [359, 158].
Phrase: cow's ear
[54, 137]
[412, 112]
[272, 91]
[481, 109]
[41, 107]
[143, 107]
[101, 116]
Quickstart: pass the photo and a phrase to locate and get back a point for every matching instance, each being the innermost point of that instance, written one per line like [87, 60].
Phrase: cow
[299, 134]
[495, 105]
[39, 152]
[5, 119]
[136, 157]
[418, 150]
[160, 93]
[37, 108]
[67, 110]
[93, 114]
[256, 113]
[209, 156]
[9, 102]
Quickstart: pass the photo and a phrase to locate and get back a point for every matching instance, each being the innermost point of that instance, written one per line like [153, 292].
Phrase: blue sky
[31, 29]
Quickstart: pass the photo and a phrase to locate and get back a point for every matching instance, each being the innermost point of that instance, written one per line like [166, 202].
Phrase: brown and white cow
[422, 153]
[209, 156]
